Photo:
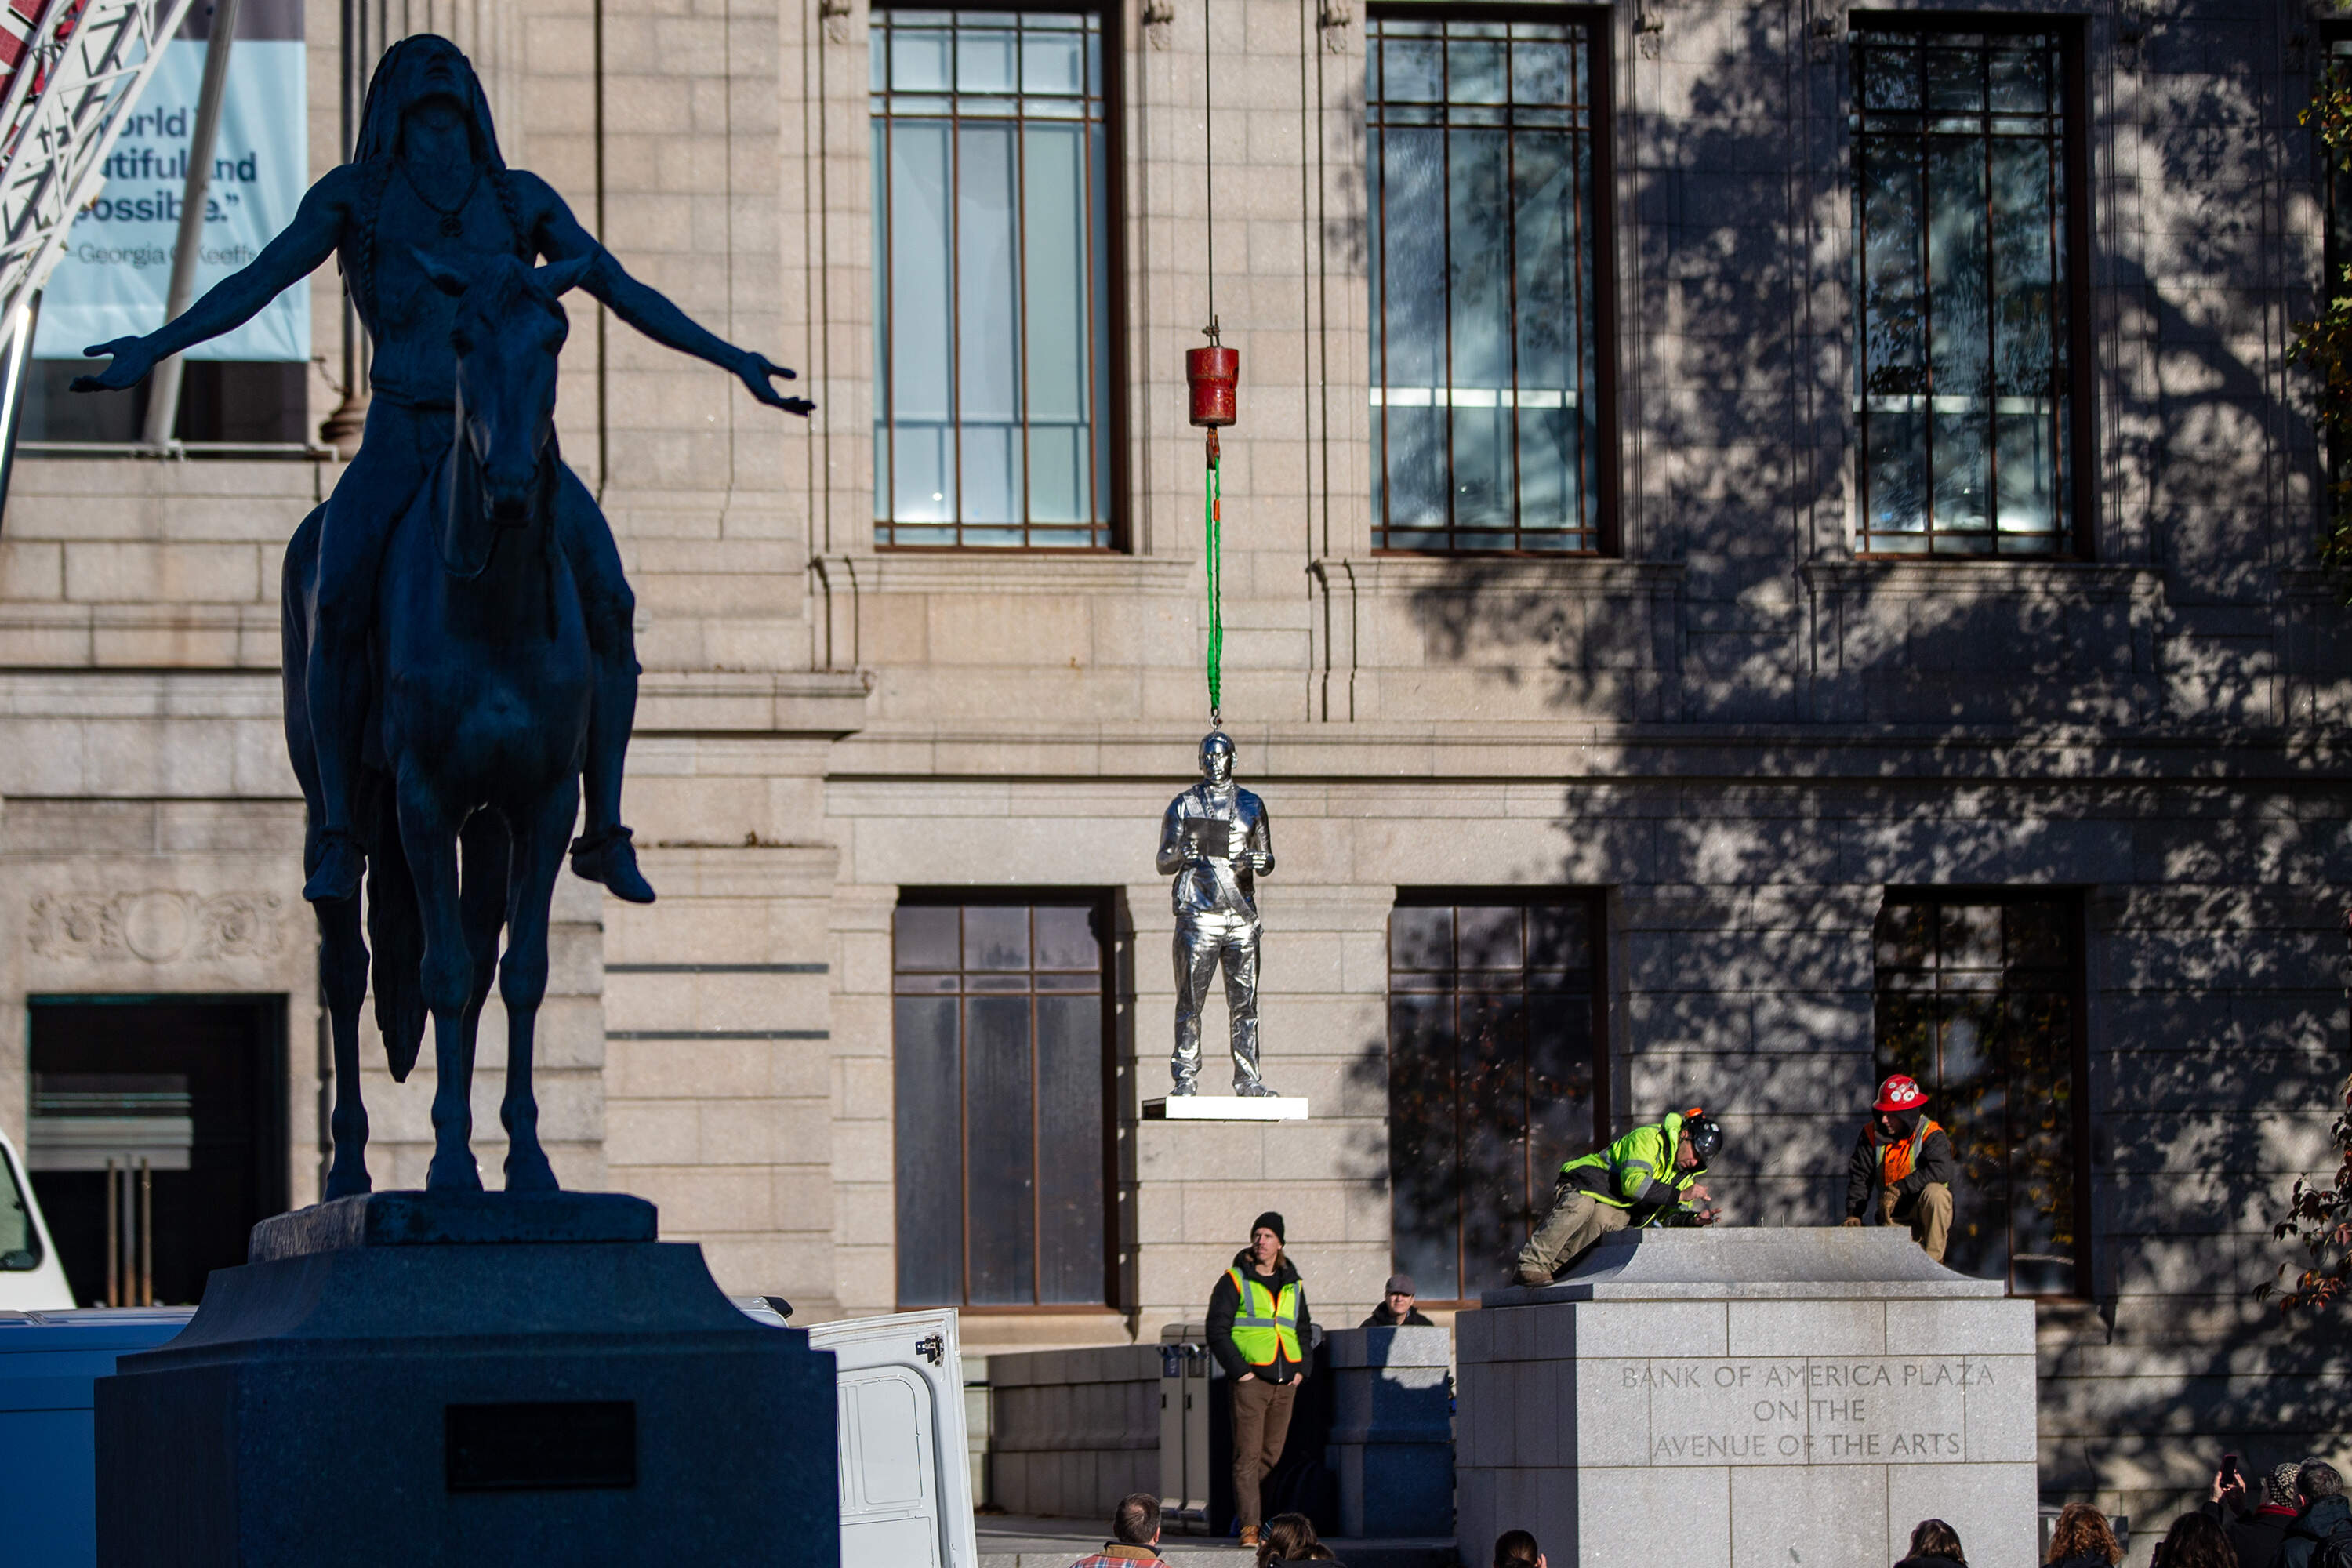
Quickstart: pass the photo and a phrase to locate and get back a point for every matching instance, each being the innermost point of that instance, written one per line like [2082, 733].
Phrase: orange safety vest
[1896, 1160]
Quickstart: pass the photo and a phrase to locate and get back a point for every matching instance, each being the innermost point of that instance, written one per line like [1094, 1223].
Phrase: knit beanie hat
[1271, 1221]
[2283, 1478]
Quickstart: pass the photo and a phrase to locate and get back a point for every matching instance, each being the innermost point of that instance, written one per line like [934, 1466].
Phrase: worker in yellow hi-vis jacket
[1259, 1330]
[1649, 1176]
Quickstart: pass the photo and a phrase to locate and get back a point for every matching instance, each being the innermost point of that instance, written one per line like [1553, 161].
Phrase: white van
[906, 1468]
[31, 1277]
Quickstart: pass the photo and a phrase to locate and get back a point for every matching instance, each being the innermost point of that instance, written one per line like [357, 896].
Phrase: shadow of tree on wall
[2113, 729]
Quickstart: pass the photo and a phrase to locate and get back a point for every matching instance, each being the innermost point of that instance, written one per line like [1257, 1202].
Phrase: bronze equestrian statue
[457, 626]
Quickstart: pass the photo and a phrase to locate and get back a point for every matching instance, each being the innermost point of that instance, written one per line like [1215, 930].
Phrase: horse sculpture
[475, 737]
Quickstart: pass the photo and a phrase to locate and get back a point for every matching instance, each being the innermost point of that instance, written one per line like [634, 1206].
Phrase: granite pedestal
[1392, 1429]
[1762, 1397]
[404, 1379]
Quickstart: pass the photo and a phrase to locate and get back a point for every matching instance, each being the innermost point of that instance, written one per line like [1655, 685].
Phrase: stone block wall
[1392, 1430]
[1073, 1432]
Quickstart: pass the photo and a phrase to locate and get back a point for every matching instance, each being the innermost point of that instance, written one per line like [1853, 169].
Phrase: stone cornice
[1471, 754]
[1471, 574]
[2076, 581]
[826, 704]
[994, 571]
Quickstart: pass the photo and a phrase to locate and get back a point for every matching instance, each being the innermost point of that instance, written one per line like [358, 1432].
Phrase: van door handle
[934, 1349]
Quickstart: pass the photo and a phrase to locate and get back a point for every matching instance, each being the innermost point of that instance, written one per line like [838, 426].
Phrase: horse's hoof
[609, 857]
[453, 1174]
[531, 1175]
[341, 863]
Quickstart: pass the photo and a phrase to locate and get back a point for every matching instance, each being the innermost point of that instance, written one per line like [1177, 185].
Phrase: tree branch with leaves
[2324, 346]
[2319, 1219]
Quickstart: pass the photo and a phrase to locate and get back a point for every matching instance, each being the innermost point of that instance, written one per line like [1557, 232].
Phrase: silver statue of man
[1216, 841]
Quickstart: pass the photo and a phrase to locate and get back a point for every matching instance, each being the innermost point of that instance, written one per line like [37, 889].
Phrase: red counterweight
[1211, 373]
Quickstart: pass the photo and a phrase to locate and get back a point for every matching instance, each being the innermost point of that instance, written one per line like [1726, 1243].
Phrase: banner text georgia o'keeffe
[117, 266]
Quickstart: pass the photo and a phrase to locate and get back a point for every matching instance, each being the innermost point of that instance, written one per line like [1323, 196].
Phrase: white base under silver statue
[1226, 1108]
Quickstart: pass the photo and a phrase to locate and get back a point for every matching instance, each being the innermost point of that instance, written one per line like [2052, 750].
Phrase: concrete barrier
[1391, 1441]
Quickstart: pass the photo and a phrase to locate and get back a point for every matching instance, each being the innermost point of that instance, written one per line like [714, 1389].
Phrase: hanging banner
[117, 267]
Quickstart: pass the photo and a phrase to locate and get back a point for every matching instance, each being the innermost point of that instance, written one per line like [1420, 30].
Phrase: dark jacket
[2082, 1563]
[2329, 1519]
[2256, 1537]
[1933, 1562]
[1224, 1302]
[1380, 1320]
[1935, 1164]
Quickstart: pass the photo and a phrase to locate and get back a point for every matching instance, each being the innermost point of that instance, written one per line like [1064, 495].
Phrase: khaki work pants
[1261, 1422]
[1577, 1220]
[1928, 1214]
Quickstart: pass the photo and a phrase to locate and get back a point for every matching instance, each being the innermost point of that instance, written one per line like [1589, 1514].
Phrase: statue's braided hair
[504, 187]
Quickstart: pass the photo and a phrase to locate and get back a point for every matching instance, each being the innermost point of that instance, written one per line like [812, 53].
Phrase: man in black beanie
[1258, 1331]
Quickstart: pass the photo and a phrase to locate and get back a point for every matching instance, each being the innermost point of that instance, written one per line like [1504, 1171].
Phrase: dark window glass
[1001, 1068]
[1495, 1078]
[222, 402]
[992, 234]
[1485, 388]
[1978, 999]
[192, 1087]
[1965, 337]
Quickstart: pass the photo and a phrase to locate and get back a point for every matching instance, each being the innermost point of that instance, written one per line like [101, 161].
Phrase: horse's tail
[294, 669]
[396, 931]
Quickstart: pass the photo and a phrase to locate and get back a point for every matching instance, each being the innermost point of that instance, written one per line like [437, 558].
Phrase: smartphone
[2230, 1475]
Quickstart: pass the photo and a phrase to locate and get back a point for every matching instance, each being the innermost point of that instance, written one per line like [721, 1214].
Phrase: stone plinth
[1769, 1396]
[404, 1381]
[1391, 1430]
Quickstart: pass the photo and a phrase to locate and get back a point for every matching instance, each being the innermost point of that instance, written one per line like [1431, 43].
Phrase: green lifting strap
[1216, 605]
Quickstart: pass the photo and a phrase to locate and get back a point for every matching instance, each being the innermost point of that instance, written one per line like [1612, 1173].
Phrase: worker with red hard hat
[1902, 1167]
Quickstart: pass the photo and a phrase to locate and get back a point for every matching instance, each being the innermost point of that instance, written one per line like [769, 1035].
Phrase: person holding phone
[2255, 1513]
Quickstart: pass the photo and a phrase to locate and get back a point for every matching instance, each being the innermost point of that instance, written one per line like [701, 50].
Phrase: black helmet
[1705, 1135]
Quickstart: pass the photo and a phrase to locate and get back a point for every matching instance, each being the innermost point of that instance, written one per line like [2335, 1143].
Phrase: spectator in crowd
[1934, 1543]
[1396, 1310]
[1286, 1539]
[1517, 1549]
[2195, 1541]
[2321, 1535]
[1259, 1328]
[2081, 1538]
[2256, 1525]
[1134, 1535]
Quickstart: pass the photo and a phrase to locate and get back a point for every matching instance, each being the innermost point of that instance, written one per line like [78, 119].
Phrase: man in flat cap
[1396, 1309]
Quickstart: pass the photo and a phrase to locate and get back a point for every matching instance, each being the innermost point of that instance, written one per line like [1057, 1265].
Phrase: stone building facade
[1755, 757]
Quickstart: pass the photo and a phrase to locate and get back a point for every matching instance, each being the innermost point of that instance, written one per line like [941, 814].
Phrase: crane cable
[1212, 513]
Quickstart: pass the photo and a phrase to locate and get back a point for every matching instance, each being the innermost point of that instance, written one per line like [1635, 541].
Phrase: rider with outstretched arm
[427, 184]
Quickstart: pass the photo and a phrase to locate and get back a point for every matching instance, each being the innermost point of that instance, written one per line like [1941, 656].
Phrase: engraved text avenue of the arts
[1800, 1410]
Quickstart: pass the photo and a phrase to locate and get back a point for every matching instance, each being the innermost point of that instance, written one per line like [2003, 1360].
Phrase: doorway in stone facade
[192, 1087]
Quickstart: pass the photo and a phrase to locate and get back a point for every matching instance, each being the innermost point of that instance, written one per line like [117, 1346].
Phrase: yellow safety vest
[1637, 1170]
[1264, 1321]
